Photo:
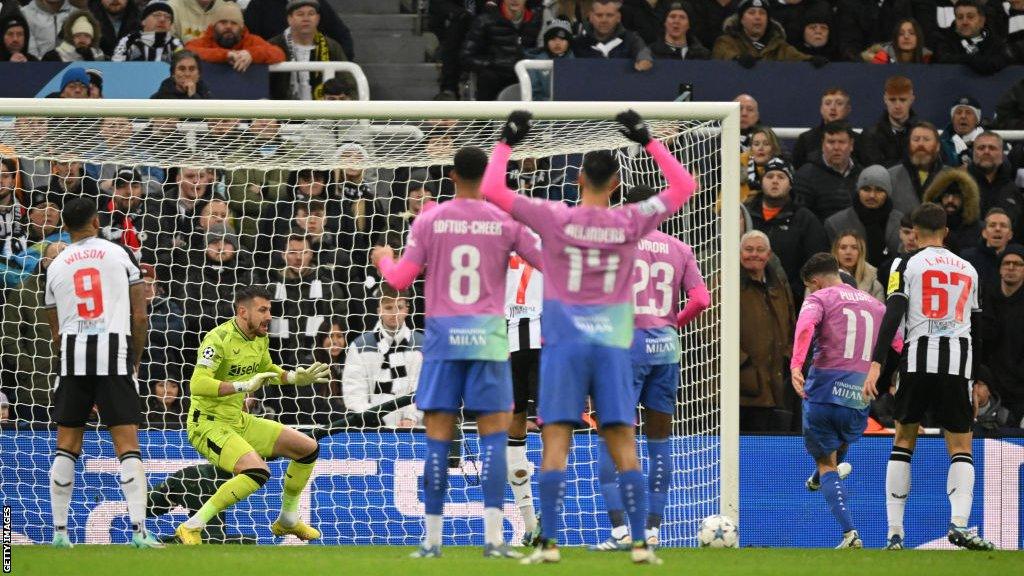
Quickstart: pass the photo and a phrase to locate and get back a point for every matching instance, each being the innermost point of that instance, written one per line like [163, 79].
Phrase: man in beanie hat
[795, 233]
[227, 41]
[496, 42]
[751, 35]
[958, 136]
[45, 19]
[155, 41]
[15, 33]
[303, 41]
[73, 84]
[817, 34]
[872, 216]
[1001, 319]
[557, 43]
[80, 38]
[193, 17]
[679, 42]
[125, 220]
[117, 19]
[972, 41]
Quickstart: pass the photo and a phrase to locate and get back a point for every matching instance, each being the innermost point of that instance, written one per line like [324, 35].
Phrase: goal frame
[728, 113]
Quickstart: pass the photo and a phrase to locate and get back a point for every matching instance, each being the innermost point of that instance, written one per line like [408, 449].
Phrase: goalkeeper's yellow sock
[295, 479]
[231, 492]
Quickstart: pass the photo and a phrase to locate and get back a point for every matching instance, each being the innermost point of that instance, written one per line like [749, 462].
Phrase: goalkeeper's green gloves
[255, 383]
[318, 373]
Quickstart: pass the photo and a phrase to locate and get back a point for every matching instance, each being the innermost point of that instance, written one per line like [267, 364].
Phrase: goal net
[293, 196]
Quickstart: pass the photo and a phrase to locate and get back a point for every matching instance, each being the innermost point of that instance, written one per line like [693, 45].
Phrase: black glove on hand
[516, 127]
[746, 60]
[634, 127]
[818, 61]
[354, 191]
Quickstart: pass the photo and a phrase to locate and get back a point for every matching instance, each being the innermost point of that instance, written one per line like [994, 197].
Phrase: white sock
[134, 488]
[897, 488]
[288, 518]
[62, 482]
[194, 522]
[493, 532]
[520, 476]
[620, 532]
[960, 487]
[433, 530]
[651, 532]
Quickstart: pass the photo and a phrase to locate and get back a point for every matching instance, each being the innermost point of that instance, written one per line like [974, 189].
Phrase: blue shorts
[481, 386]
[571, 372]
[829, 426]
[655, 385]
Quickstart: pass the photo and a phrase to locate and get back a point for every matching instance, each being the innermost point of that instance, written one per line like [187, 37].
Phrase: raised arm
[681, 184]
[515, 130]
[399, 274]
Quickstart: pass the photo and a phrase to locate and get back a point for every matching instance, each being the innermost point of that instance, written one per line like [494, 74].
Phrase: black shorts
[116, 397]
[947, 396]
[525, 376]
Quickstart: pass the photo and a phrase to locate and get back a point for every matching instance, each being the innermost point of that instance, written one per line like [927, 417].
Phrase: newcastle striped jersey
[941, 290]
[524, 299]
[88, 285]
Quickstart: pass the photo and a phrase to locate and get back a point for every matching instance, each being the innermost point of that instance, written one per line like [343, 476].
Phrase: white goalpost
[211, 195]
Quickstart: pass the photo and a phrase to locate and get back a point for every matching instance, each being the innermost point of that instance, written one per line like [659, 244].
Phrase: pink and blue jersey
[844, 322]
[464, 245]
[664, 267]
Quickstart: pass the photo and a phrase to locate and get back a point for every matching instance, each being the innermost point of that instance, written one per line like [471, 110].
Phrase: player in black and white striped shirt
[96, 308]
[936, 293]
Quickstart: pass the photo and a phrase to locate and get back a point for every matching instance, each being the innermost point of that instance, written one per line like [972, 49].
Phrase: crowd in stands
[200, 232]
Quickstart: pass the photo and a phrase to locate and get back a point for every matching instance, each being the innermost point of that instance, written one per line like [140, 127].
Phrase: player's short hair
[929, 217]
[600, 166]
[78, 212]
[246, 294]
[820, 264]
[470, 163]
[639, 193]
[839, 127]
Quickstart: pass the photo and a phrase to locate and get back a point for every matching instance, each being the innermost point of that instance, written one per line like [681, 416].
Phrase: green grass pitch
[393, 561]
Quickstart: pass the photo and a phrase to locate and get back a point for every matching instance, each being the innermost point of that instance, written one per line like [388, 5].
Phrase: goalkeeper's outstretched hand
[634, 127]
[318, 373]
[255, 383]
[516, 127]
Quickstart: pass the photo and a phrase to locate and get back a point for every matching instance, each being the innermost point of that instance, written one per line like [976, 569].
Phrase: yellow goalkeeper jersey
[227, 355]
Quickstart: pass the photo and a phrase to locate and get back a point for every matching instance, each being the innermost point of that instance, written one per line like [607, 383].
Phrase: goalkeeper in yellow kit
[234, 360]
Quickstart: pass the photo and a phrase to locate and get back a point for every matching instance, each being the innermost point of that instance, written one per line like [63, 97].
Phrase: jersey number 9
[89, 292]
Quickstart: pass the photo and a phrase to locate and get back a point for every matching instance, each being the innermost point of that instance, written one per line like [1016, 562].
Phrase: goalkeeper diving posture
[234, 360]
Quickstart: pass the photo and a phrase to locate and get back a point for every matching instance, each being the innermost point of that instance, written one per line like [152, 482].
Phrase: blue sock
[435, 476]
[659, 478]
[836, 498]
[609, 481]
[494, 470]
[635, 498]
[552, 494]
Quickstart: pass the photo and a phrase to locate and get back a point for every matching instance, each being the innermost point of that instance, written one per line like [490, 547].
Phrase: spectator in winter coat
[1001, 321]
[906, 47]
[45, 19]
[268, 18]
[303, 41]
[678, 42]
[154, 41]
[764, 145]
[826, 185]
[885, 143]
[193, 17]
[995, 177]
[750, 117]
[1013, 10]
[645, 17]
[958, 137]
[605, 37]
[384, 364]
[495, 42]
[972, 41]
[15, 33]
[125, 218]
[816, 36]
[557, 38]
[227, 41]
[708, 16]
[871, 216]
[940, 16]
[957, 193]
[80, 39]
[767, 316]
[184, 82]
[751, 35]
[212, 275]
[860, 24]
[915, 173]
[835, 106]
[117, 19]
[794, 231]
[996, 234]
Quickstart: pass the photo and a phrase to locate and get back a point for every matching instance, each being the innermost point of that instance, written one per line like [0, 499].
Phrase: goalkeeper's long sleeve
[697, 299]
[401, 274]
[493, 183]
[681, 184]
[203, 383]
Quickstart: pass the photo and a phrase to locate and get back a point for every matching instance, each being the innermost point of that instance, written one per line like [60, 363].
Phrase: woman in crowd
[850, 250]
[907, 46]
